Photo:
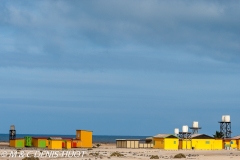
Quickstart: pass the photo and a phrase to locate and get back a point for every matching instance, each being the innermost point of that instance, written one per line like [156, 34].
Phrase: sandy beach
[105, 150]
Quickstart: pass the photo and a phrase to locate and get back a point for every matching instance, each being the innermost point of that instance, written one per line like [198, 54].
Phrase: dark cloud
[66, 28]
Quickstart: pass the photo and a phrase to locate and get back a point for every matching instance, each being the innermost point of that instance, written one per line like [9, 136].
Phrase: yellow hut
[55, 143]
[84, 138]
[218, 144]
[201, 142]
[165, 141]
[17, 143]
[205, 142]
[232, 143]
[185, 144]
[237, 140]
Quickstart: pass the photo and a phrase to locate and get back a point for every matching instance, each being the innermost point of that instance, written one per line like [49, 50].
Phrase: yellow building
[55, 143]
[217, 145]
[237, 141]
[232, 143]
[39, 142]
[201, 142]
[17, 143]
[185, 144]
[205, 142]
[165, 141]
[84, 138]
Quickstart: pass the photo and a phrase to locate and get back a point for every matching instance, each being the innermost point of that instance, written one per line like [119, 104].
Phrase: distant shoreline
[105, 139]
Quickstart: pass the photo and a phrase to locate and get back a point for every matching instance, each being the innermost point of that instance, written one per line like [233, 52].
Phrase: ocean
[96, 138]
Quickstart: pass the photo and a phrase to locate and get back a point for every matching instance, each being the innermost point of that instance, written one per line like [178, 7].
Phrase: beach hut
[39, 142]
[127, 143]
[231, 143]
[237, 141]
[217, 144]
[165, 141]
[17, 143]
[67, 143]
[74, 143]
[84, 138]
[185, 144]
[28, 141]
[55, 143]
[205, 142]
[147, 143]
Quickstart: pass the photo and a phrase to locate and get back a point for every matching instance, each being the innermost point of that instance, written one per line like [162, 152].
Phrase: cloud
[72, 29]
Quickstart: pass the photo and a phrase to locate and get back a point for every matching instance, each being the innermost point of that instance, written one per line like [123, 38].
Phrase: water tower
[185, 134]
[12, 132]
[176, 132]
[195, 127]
[225, 126]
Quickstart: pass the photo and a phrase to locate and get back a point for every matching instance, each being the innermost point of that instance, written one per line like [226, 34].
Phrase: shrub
[116, 154]
[94, 154]
[31, 158]
[180, 155]
[98, 145]
[154, 157]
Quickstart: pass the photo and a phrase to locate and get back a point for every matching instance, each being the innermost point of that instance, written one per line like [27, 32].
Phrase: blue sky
[118, 67]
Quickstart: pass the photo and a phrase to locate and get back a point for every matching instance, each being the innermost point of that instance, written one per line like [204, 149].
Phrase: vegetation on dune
[154, 157]
[94, 154]
[31, 158]
[179, 155]
[116, 154]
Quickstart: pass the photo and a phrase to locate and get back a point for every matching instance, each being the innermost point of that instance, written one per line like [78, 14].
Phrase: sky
[119, 67]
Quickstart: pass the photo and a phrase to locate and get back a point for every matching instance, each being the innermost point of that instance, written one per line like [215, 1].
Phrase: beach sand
[105, 150]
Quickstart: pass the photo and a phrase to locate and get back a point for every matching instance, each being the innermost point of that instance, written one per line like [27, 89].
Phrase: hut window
[153, 142]
[207, 142]
[174, 142]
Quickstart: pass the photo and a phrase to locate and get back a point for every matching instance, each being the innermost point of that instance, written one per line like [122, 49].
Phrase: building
[39, 142]
[28, 141]
[201, 142]
[185, 144]
[147, 143]
[237, 139]
[67, 143]
[74, 143]
[84, 139]
[17, 143]
[231, 143]
[55, 143]
[165, 141]
[205, 142]
[127, 143]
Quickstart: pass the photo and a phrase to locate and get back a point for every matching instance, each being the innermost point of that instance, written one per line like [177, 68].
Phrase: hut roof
[40, 137]
[164, 136]
[201, 136]
[236, 137]
[55, 138]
